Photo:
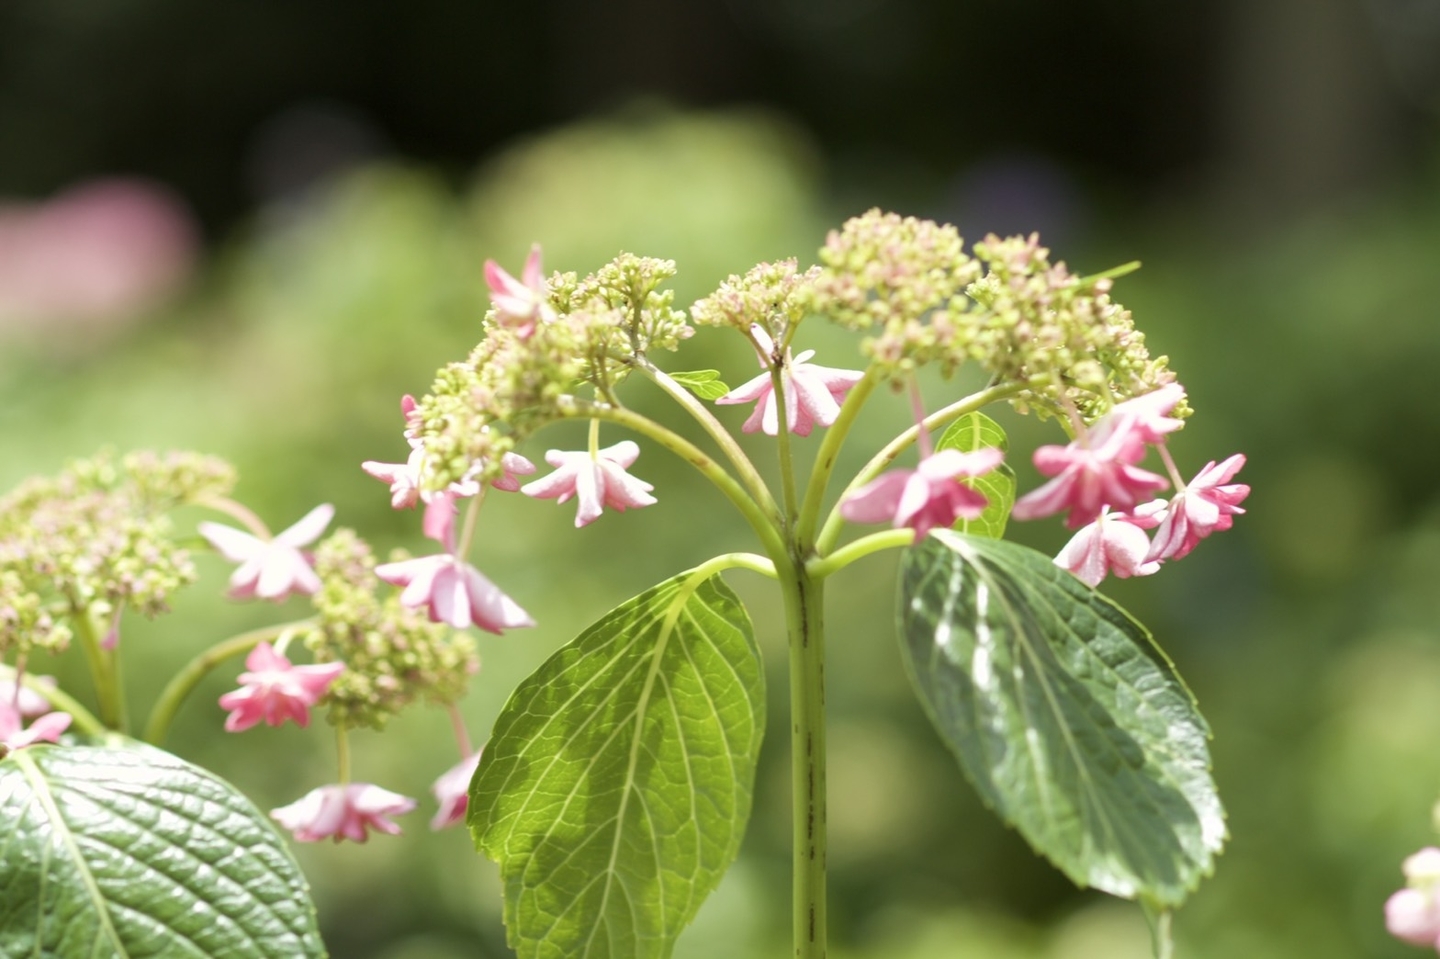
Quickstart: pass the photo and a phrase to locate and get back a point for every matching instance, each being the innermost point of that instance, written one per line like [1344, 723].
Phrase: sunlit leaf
[114, 853]
[969, 433]
[615, 789]
[1073, 726]
[705, 384]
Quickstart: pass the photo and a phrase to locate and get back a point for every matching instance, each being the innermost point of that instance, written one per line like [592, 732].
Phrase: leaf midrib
[61, 829]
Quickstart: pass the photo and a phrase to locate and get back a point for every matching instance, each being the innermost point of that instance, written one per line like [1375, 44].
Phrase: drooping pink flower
[452, 792]
[519, 304]
[595, 481]
[1207, 504]
[455, 592]
[812, 394]
[273, 690]
[14, 734]
[27, 701]
[1090, 474]
[1413, 913]
[275, 568]
[342, 812]
[1144, 419]
[928, 496]
[1111, 544]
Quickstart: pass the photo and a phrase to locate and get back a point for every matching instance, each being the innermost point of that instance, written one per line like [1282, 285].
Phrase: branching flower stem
[829, 453]
[749, 475]
[766, 523]
[184, 682]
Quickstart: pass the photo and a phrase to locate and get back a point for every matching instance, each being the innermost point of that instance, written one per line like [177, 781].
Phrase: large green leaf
[615, 789]
[1073, 726]
[969, 433]
[122, 853]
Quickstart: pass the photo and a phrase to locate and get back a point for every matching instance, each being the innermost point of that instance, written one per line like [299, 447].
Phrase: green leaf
[112, 853]
[705, 384]
[615, 789]
[1073, 726]
[969, 433]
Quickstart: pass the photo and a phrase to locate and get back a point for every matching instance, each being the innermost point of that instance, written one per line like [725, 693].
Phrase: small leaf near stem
[183, 683]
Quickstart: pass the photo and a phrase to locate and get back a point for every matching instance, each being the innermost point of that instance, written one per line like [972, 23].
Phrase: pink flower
[404, 478]
[595, 481]
[342, 812]
[1089, 474]
[812, 394]
[928, 496]
[274, 690]
[1112, 544]
[270, 569]
[519, 303]
[1413, 913]
[27, 701]
[452, 791]
[1145, 419]
[15, 735]
[455, 592]
[1206, 504]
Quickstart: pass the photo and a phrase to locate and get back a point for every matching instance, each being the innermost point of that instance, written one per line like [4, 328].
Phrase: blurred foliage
[1309, 632]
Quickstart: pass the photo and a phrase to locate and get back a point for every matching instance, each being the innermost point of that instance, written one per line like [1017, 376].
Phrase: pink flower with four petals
[275, 568]
[596, 481]
[1208, 503]
[812, 393]
[1114, 543]
[1097, 470]
[273, 690]
[928, 496]
[455, 592]
[342, 812]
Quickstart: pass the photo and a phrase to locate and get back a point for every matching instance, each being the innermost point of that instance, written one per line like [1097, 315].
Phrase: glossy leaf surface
[1073, 726]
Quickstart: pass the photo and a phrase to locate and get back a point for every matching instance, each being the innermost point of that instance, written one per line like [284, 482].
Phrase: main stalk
[804, 615]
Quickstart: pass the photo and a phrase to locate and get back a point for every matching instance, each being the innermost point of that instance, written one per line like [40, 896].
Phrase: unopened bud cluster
[94, 539]
[393, 655]
[589, 332]
[774, 296]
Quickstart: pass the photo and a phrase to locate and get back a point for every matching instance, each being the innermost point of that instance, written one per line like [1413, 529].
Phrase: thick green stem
[831, 530]
[185, 681]
[804, 616]
[104, 672]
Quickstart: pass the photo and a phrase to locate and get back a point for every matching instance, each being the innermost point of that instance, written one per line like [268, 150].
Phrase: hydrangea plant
[617, 782]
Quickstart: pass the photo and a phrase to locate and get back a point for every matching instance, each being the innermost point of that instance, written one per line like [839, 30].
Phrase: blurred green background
[334, 175]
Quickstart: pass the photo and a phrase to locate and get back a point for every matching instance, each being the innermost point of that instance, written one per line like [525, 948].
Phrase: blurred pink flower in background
[93, 256]
[342, 811]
